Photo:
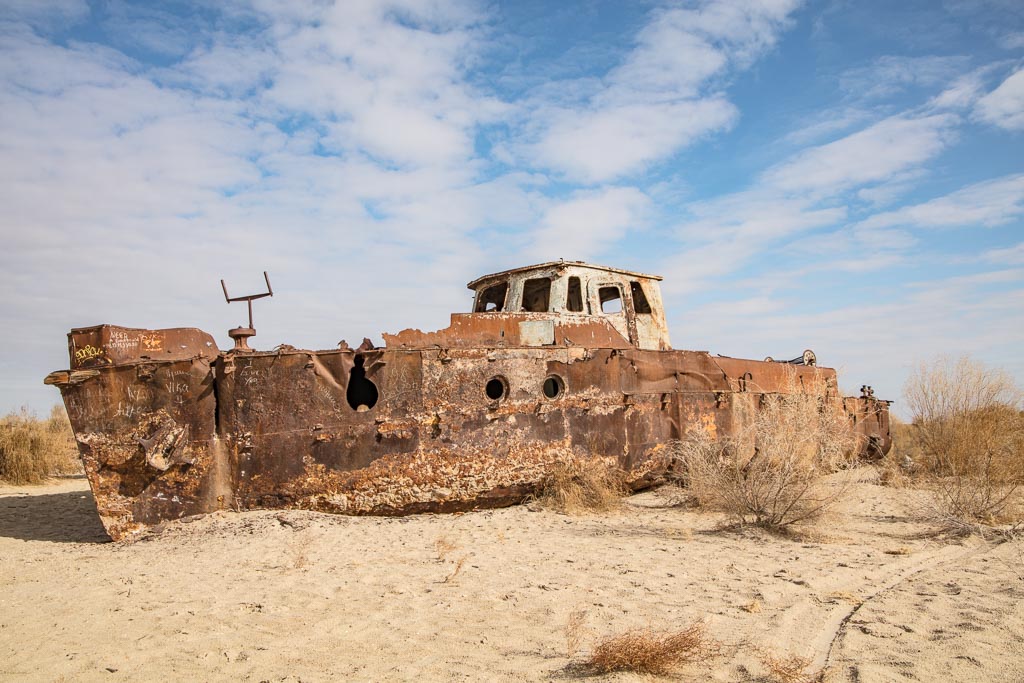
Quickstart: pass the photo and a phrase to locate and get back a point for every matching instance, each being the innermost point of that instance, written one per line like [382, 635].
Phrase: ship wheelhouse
[568, 292]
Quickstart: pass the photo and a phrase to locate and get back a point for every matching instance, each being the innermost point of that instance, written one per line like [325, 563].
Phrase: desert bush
[651, 652]
[458, 568]
[967, 437]
[898, 467]
[33, 449]
[444, 545]
[582, 485]
[788, 668]
[772, 471]
[575, 629]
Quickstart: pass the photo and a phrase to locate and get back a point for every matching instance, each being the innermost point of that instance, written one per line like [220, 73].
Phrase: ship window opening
[362, 393]
[611, 299]
[554, 386]
[574, 300]
[496, 388]
[640, 303]
[492, 299]
[537, 295]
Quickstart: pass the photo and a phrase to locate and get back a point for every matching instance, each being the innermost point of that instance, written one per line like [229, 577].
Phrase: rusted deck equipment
[556, 360]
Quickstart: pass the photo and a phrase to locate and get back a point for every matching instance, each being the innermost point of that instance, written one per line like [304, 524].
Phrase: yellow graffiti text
[87, 352]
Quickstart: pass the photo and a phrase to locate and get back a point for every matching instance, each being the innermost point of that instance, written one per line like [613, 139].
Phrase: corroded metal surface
[469, 416]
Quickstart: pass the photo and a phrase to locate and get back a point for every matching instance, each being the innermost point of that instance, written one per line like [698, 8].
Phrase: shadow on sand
[58, 517]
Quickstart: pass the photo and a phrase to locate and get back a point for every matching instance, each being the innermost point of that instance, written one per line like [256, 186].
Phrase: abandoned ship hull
[448, 429]
[557, 361]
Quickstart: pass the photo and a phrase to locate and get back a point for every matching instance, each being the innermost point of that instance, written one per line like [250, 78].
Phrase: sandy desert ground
[486, 596]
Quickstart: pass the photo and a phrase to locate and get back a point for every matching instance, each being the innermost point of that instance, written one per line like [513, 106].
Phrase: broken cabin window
[640, 303]
[492, 299]
[537, 295]
[574, 300]
[611, 299]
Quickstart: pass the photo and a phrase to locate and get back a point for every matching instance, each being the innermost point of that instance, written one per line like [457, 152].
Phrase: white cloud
[662, 96]
[755, 215]
[394, 89]
[852, 249]
[1012, 41]
[48, 13]
[747, 27]
[965, 90]
[872, 155]
[891, 189]
[671, 61]
[679, 50]
[986, 204]
[802, 195]
[582, 226]
[1004, 106]
[826, 124]
[807, 193]
[892, 74]
[150, 28]
[230, 66]
[727, 233]
[602, 145]
[1013, 256]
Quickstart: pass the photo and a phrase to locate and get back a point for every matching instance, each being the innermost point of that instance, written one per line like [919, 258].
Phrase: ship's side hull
[393, 431]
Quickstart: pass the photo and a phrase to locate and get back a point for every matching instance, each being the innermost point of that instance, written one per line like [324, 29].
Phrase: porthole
[496, 389]
[554, 386]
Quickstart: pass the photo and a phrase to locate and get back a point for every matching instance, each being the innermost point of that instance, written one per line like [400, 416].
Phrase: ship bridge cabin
[575, 293]
[560, 303]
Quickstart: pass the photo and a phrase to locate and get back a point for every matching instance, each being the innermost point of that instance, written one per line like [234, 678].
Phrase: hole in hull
[362, 393]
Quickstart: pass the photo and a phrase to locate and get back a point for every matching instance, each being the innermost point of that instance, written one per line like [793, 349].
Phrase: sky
[844, 176]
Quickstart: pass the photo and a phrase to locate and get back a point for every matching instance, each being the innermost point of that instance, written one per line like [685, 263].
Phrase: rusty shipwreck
[555, 360]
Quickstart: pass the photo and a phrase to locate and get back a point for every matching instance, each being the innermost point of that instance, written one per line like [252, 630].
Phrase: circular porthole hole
[554, 386]
[496, 389]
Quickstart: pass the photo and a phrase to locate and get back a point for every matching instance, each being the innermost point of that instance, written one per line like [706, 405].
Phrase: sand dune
[295, 596]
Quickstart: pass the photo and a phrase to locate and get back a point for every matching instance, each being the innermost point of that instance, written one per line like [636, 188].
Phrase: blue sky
[841, 176]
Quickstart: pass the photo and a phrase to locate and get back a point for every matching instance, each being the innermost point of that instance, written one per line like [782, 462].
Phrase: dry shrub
[845, 596]
[300, 548]
[788, 669]
[898, 468]
[581, 485]
[32, 449]
[967, 440]
[771, 472]
[575, 628]
[651, 652]
[444, 546]
[458, 568]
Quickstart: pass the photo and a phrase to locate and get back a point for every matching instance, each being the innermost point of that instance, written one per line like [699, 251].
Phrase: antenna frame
[248, 299]
[241, 334]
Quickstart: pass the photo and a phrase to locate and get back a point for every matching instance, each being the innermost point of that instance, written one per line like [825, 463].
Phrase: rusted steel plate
[91, 347]
[502, 330]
